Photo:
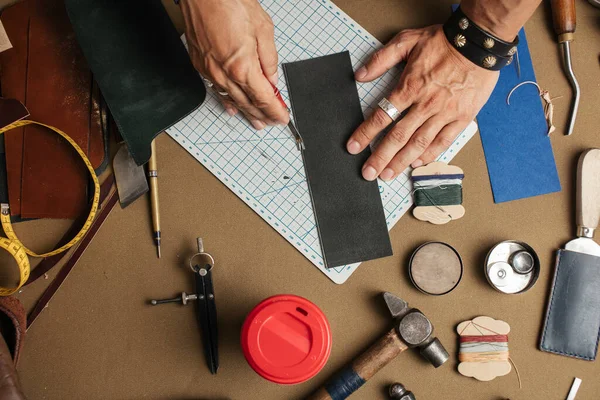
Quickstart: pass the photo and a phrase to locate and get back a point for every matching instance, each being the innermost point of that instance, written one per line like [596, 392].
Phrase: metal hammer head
[415, 329]
[399, 392]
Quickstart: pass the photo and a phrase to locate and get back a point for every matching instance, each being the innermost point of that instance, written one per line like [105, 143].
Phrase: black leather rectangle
[348, 209]
[572, 325]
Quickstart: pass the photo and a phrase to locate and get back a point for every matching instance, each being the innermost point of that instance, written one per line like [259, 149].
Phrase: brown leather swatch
[46, 70]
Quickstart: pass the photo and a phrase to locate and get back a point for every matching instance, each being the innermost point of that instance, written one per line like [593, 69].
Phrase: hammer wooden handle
[351, 378]
[563, 15]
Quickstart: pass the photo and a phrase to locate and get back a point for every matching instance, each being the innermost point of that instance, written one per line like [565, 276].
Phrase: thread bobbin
[438, 193]
[484, 353]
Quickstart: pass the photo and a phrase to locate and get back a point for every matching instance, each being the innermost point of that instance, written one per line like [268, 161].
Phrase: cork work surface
[99, 340]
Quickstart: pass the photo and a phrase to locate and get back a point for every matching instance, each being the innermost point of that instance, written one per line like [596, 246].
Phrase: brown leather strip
[72, 261]
[49, 262]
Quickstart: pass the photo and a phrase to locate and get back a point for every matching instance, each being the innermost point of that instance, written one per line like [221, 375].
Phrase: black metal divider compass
[202, 264]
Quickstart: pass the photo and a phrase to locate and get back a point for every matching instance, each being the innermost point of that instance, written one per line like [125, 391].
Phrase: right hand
[232, 44]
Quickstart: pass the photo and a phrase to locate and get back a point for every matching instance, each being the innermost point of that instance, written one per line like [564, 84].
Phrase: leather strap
[72, 261]
[481, 37]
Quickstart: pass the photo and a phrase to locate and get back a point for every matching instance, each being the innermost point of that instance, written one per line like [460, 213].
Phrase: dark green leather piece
[140, 64]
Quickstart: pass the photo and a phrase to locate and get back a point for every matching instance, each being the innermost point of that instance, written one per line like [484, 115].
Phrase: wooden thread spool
[431, 211]
[435, 268]
[484, 353]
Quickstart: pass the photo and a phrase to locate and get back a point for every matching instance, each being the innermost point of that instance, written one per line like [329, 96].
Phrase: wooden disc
[435, 268]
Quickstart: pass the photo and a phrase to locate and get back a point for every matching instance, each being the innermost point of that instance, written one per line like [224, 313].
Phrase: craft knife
[291, 126]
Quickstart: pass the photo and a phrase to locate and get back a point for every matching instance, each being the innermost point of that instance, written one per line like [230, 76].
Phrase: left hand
[443, 90]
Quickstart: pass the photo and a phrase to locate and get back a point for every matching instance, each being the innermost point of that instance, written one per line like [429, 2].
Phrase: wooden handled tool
[564, 19]
[588, 193]
[412, 329]
[363, 368]
[563, 15]
[153, 177]
[588, 203]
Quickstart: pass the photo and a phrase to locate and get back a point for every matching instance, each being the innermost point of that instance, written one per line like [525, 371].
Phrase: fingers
[392, 143]
[414, 148]
[441, 143]
[378, 121]
[267, 53]
[384, 59]
[262, 94]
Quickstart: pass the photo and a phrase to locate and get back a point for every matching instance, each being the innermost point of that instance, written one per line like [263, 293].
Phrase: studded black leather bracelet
[480, 47]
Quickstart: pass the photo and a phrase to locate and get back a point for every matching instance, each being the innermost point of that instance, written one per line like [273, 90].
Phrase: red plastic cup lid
[286, 339]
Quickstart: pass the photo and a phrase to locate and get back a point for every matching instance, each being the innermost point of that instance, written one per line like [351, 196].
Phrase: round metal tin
[435, 268]
[506, 277]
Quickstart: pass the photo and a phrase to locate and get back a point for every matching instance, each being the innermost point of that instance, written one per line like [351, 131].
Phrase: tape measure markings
[13, 245]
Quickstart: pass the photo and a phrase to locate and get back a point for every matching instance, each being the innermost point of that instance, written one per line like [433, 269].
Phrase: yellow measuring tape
[13, 245]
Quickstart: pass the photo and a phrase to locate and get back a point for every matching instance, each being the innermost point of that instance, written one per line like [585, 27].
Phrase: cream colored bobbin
[484, 326]
[442, 214]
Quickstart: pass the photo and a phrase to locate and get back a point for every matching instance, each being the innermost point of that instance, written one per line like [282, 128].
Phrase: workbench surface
[98, 338]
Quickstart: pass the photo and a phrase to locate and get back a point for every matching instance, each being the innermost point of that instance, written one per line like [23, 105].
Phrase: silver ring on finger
[389, 109]
[222, 93]
[208, 83]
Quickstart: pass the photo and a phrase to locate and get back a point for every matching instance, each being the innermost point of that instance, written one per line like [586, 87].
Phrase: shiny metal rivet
[489, 43]
[463, 23]
[512, 51]
[489, 61]
[460, 40]
[510, 60]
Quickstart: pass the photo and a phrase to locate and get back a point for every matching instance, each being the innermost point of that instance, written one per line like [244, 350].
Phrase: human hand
[442, 91]
[231, 43]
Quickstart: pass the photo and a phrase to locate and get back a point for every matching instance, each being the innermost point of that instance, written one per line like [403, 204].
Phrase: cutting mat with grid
[264, 168]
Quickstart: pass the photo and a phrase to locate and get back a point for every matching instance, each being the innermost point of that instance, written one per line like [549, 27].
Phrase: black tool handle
[207, 316]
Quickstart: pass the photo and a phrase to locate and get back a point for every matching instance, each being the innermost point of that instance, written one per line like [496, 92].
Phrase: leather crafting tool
[512, 267]
[13, 245]
[153, 177]
[412, 329]
[202, 265]
[572, 325]
[130, 177]
[397, 391]
[291, 126]
[564, 20]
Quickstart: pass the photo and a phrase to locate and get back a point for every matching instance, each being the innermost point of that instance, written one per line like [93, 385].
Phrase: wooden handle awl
[563, 16]
[351, 378]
